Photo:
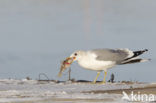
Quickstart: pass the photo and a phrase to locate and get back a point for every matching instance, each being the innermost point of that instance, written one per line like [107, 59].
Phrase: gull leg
[104, 80]
[98, 73]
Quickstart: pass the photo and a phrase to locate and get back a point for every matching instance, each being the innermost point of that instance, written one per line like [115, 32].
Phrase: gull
[103, 59]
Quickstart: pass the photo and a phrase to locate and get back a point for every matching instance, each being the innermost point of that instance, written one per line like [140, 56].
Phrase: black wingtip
[137, 53]
[146, 50]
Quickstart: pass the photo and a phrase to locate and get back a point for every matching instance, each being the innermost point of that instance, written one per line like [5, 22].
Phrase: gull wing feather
[116, 55]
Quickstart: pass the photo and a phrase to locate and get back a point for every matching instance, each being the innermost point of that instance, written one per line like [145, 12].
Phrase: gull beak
[74, 58]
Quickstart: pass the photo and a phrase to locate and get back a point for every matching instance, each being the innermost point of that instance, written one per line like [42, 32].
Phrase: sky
[36, 35]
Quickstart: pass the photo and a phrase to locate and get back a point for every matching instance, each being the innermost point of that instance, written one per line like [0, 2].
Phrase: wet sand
[111, 92]
[150, 89]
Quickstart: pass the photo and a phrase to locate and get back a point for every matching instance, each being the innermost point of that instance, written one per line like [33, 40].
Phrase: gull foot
[94, 82]
[103, 82]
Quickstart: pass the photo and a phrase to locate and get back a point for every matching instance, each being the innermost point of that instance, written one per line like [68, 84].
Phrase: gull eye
[75, 54]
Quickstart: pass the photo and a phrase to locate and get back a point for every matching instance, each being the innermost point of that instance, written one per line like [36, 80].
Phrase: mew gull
[103, 59]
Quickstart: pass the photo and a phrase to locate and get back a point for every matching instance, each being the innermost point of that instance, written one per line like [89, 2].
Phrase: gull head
[77, 55]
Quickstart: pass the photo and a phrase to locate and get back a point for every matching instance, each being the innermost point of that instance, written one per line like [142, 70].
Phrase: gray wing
[117, 55]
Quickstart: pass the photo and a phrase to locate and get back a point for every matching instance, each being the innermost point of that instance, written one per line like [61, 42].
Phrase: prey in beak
[66, 64]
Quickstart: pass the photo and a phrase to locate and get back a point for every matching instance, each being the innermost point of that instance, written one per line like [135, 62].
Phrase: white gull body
[89, 61]
[103, 59]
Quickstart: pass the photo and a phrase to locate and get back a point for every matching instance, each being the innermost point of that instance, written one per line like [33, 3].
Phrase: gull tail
[137, 60]
[134, 58]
